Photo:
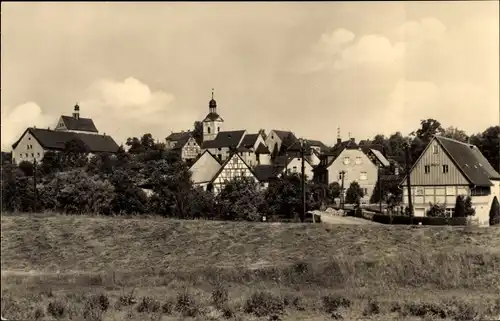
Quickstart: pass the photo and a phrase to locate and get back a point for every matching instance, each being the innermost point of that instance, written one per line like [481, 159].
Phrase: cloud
[333, 41]
[119, 108]
[424, 29]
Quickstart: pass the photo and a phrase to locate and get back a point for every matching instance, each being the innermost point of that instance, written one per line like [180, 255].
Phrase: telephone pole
[379, 188]
[302, 181]
[342, 173]
[35, 196]
[410, 205]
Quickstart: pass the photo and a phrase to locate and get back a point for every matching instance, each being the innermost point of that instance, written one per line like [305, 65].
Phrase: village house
[183, 143]
[275, 139]
[347, 163]
[313, 149]
[448, 168]
[293, 165]
[35, 142]
[204, 169]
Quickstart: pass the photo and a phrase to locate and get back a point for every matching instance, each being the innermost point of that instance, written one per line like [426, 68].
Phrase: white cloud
[118, 108]
[425, 29]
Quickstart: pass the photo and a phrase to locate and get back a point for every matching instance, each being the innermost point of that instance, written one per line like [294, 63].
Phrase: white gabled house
[448, 168]
[204, 169]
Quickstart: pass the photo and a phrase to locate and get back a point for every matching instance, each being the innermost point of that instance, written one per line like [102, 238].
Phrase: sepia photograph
[260, 161]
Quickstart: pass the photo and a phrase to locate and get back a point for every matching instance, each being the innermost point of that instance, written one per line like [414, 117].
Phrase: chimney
[76, 113]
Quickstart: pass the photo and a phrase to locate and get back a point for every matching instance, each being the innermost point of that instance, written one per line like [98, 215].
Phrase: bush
[220, 296]
[168, 306]
[264, 304]
[436, 210]
[57, 309]
[148, 305]
[354, 193]
[405, 220]
[187, 305]
[459, 207]
[495, 212]
[332, 303]
[372, 308]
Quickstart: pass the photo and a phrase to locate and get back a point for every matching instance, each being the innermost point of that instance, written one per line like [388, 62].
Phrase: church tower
[212, 124]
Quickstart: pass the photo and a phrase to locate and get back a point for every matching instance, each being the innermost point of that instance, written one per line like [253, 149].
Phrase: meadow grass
[94, 268]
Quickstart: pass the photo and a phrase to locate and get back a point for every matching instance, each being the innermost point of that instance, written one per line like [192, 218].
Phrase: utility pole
[342, 173]
[410, 205]
[35, 196]
[379, 188]
[302, 182]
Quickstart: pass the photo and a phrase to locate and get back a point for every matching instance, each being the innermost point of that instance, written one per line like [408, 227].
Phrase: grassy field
[88, 268]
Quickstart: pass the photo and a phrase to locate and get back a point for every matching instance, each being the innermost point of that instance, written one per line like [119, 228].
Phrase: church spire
[76, 112]
[212, 105]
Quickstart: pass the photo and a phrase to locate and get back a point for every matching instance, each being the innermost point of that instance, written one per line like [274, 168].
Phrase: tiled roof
[470, 161]
[243, 149]
[51, 139]
[249, 140]
[177, 136]
[262, 149]
[381, 158]
[282, 134]
[264, 173]
[212, 117]
[83, 124]
[225, 139]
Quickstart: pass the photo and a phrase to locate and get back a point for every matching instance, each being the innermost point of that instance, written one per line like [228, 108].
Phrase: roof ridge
[454, 140]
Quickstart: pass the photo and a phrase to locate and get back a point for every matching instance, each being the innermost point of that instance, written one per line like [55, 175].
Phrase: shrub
[436, 210]
[372, 308]
[294, 301]
[148, 305]
[57, 309]
[187, 305]
[263, 304]
[459, 207]
[99, 301]
[38, 314]
[332, 303]
[423, 309]
[220, 296]
[227, 312]
[168, 306]
[495, 212]
[354, 193]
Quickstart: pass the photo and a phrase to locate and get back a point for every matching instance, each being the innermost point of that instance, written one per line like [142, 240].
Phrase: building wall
[264, 159]
[435, 157]
[271, 140]
[191, 150]
[28, 149]
[211, 129]
[234, 168]
[314, 159]
[359, 164]
[204, 169]
[220, 153]
[249, 157]
[295, 166]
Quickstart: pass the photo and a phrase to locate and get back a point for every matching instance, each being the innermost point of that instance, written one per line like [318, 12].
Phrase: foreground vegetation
[94, 268]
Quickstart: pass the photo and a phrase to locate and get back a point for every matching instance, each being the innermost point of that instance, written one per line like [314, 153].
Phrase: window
[363, 176]
[29, 138]
[347, 160]
[220, 157]
[208, 130]
[435, 149]
[358, 160]
[32, 154]
[480, 191]
[26, 154]
[218, 129]
[427, 169]
[445, 169]
[295, 169]
[365, 191]
[272, 136]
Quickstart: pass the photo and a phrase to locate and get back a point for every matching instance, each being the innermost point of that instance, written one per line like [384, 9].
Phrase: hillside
[370, 260]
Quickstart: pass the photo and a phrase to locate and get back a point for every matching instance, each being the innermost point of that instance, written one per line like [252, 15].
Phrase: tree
[26, 167]
[286, 143]
[334, 189]
[17, 190]
[354, 193]
[128, 198]
[429, 128]
[469, 210]
[456, 134]
[436, 210]
[201, 204]
[488, 143]
[459, 207]
[74, 154]
[241, 200]
[198, 132]
[396, 146]
[50, 164]
[495, 212]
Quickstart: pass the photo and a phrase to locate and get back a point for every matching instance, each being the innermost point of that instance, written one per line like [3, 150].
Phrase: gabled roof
[181, 142]
[56, 140]
[225, 139]
[212, 117]
[381, 158]
[224, 164]
[282, 134]
[207, 175]
[283, 161]
[82, 124]
[262, 149]
[243, 149]
[249, 140]
[177, 136]
[467, 158]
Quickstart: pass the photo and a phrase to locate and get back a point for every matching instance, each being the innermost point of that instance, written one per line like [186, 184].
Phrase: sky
[308, 67]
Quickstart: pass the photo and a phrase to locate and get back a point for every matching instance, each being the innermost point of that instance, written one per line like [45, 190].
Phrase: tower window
[218, 129]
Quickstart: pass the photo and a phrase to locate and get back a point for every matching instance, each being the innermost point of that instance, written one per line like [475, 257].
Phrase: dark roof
[212, 117]
[265, 173]
[51, 139]
[225, 139]
[249, 140]
[262, 149]
[178, 136]
[282, 134]
[470, 161]
[243, 149]
[83, 124]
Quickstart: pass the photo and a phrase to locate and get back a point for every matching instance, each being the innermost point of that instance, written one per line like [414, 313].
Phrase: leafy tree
[436, 210]
[75, 154]
[26, 167]
[354, 193]
[286, 143]
[198, 132]
[76, 192]
[201, 204]
[134, 145]
[128, 198]
[488, 143]
[241, 200]
[396, 146]
[102, 164]
[50, 164]
[495, 212]
[456, 134]
[429, 128]
[459, 206]
[334, 189]
[469, 210]
[17, 190]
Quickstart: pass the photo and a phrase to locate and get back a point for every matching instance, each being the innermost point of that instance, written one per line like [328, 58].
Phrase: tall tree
[198, 131]
[429, 128]
[456, 134]
[495, 212]
[354, 193]
[488, 143]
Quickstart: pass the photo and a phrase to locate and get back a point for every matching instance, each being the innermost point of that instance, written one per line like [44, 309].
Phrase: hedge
[405, 220]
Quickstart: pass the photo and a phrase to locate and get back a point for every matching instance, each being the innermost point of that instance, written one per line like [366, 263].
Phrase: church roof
[81, 124]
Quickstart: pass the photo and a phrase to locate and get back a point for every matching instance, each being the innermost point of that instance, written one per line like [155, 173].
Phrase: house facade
[293, 165]
[204, 169]
[448, 168]
[233, 167]
[183, 143]
[275, 139]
